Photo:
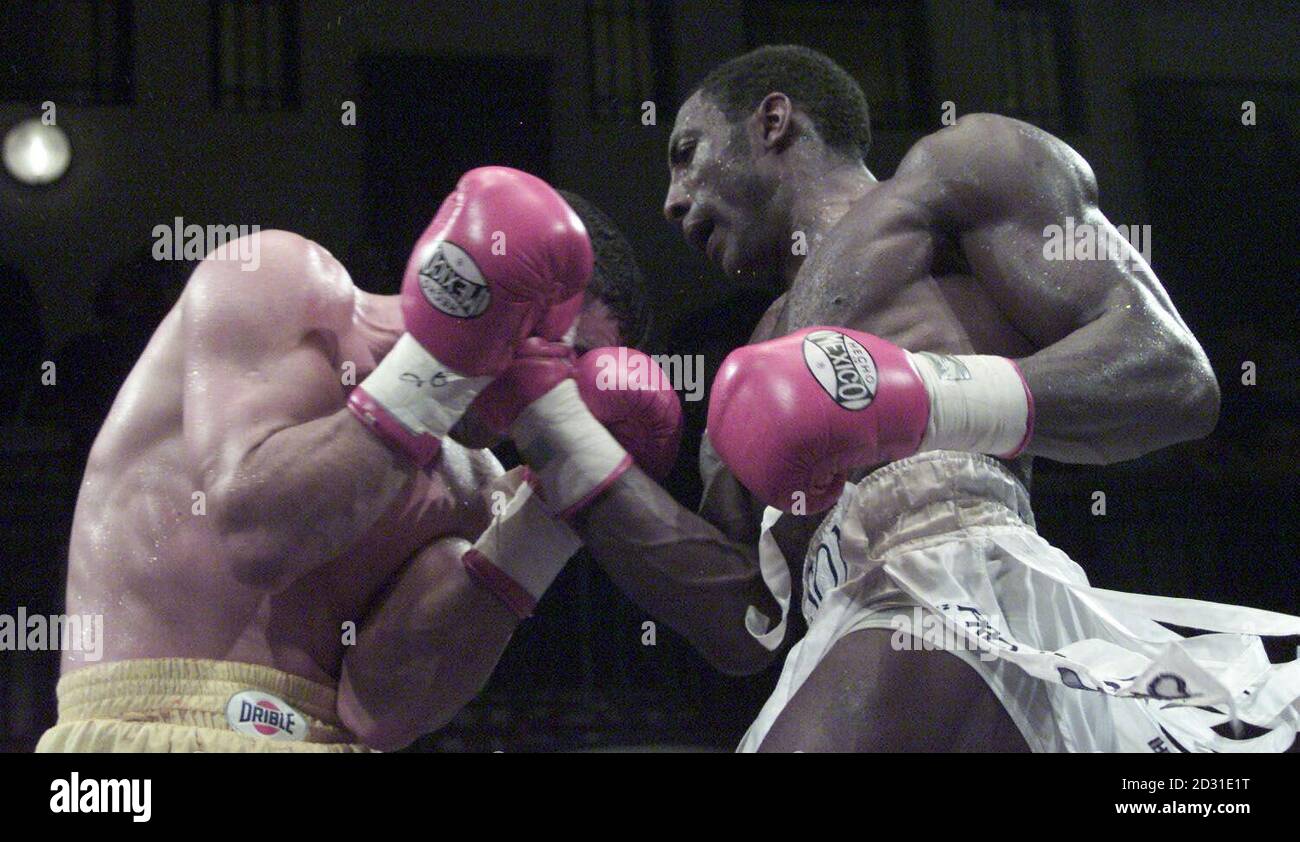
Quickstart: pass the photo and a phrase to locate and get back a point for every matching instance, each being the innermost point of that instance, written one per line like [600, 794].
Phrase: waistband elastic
[188, 691]
[936, 492]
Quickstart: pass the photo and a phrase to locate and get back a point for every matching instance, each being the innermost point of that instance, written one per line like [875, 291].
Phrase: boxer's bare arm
[430, 640]
[1119, 373]
[424, 651]
[291, 478]
[680, 567]
[698, 573]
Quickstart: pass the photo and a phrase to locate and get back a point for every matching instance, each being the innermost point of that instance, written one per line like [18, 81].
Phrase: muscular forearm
[1118, 388]
[302, 496]
[680, 569]
[423, 652]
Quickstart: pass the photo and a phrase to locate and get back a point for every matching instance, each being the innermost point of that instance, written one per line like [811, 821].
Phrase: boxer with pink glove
[581, 438]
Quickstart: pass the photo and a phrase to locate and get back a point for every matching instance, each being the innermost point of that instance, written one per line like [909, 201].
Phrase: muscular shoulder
[270, 285]
[993, 166]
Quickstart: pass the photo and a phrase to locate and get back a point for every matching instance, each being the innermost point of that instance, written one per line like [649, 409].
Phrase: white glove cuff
[419, 392]
[978, 403]
[572, 456]
[528, 546]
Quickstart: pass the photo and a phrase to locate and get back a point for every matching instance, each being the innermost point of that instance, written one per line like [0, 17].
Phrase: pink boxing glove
[560, 424]
[503, 251]
[792, 417]
[625, 390]
[558, 323]
[629, 394]
[539, 365]
[504, 254]
[571, 454]
[526, 546]
[487, 419]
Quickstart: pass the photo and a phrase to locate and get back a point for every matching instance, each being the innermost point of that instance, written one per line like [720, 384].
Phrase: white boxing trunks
[946, 540]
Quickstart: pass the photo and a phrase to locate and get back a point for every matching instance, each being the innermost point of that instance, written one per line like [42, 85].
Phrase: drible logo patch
[263, 715]
[451, 281]
[842, 367]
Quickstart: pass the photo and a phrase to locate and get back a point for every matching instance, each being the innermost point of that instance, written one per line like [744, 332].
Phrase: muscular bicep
[258, 356]
[427, 646]
[1014, 195]
[1115, 372]
[1047, 298]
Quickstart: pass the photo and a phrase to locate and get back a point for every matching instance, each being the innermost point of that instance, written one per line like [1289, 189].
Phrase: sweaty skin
[946, 256]
[233, 509]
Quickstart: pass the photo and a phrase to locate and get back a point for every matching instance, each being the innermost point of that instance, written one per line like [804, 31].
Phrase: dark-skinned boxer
[867, 457]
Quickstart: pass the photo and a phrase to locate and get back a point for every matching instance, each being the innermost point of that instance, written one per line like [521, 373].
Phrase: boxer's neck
[378, 320]
[823, 196]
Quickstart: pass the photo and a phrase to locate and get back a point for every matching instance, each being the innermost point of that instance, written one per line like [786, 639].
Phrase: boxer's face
[721, 194]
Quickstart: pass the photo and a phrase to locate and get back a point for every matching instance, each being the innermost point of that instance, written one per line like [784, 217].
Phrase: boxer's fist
[503, 255]
[558, 322]
[797, 414]
[538, 366]
[624, 389]
[576, 437]
[630, 395]
[793, 416]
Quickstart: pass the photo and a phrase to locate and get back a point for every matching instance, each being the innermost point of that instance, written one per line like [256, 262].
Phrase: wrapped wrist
[572, 456]
[411, 400]
[978, 403]
[521, 552]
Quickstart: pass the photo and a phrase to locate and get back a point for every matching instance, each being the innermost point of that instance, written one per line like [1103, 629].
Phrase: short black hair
[814, 82]
[616, 280]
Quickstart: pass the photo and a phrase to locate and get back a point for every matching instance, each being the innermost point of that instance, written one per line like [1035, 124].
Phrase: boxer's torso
[145, 555]
[892, 266]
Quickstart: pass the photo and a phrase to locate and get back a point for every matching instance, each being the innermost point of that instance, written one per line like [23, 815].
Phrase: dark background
[230, 113]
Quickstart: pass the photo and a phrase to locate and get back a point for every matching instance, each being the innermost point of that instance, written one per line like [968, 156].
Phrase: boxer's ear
[773, 122]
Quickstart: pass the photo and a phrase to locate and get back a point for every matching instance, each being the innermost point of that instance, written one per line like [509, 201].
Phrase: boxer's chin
[472, 433]
[751, 275]
[737, 263]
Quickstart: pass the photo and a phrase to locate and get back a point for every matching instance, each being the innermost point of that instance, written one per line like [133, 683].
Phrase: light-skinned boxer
[287, 561]
[923, 328]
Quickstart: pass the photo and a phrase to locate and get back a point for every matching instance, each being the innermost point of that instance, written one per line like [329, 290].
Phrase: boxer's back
[146, 554]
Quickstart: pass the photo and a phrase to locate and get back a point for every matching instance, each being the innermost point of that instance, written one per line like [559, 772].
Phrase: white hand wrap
[521, 552]
[411, 400]
[978, 404]
[571, 454]
[419, 391]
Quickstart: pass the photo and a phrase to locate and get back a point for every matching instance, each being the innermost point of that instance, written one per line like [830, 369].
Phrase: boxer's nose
[677, 203]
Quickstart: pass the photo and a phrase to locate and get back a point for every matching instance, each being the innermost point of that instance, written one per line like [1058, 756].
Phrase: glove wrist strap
[411, 399]
[572, 456]
[521, 552]
[978, 404]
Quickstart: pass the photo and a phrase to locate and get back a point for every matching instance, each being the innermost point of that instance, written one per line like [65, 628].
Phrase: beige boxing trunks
[190, 705]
